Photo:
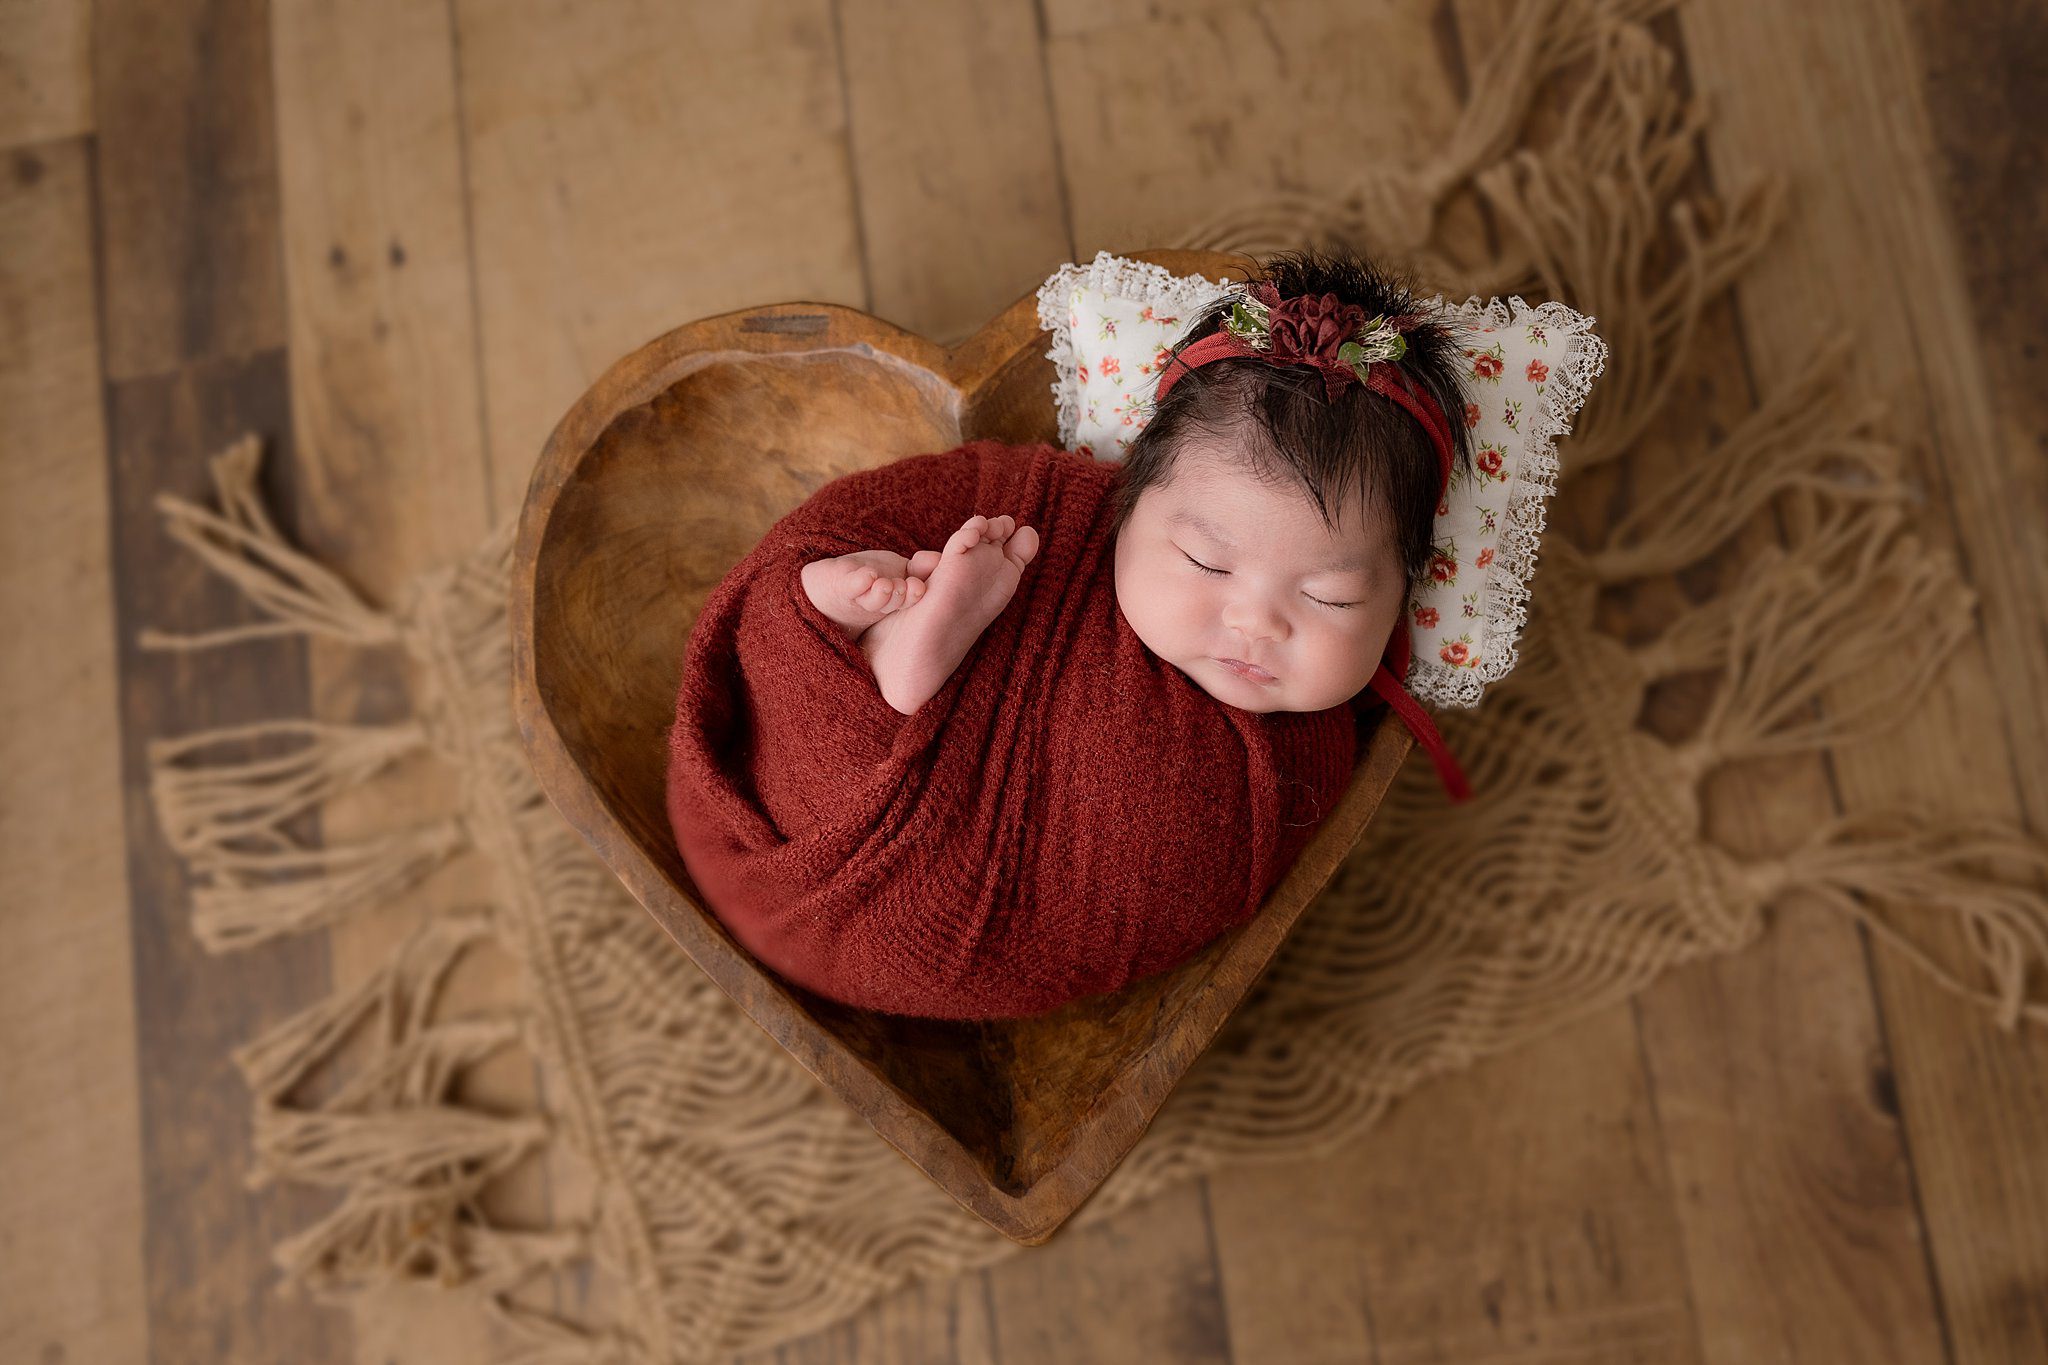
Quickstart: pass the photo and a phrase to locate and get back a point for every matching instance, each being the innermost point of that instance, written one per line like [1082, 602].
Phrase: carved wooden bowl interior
[663, 476]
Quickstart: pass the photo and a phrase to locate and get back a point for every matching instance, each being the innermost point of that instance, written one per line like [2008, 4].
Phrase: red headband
[1310, 331]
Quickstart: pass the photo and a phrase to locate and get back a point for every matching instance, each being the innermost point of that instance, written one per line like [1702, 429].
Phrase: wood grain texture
[951, 1323]
[187, 183]
[71, 1197]
[192, 329]
[206, 1236]
[961, 197]
[46, 53]
[631, 167]
[1142, 1287]
[1151, 148]
[1839, 84]
[1520, 1212]
[1785, 1262]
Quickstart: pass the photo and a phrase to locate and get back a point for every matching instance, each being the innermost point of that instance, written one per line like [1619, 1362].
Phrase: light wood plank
[1142, 1286]
[1516, 1211]
[1831, 86]
[1155, 146]
[46, 58]
[72, 1195]
[948, 1323]
[385, 392]
[1792, 1181]
[962, 204]
[395, 478]
[632, 168]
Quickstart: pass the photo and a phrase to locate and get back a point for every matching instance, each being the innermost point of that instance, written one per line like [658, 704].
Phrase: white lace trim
[1118, 277]
[1507, 586]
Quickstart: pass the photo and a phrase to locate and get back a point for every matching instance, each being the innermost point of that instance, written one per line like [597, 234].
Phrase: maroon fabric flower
[1312, 326]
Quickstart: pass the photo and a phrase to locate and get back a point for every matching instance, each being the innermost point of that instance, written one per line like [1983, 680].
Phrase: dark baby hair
[1287, 432]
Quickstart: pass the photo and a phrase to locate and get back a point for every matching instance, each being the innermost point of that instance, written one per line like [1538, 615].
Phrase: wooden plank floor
[398, 237]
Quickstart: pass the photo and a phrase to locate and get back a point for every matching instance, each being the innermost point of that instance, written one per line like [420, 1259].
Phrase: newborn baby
[987, 730]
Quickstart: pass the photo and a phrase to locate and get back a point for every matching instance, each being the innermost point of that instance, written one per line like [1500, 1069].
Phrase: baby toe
[967, 537]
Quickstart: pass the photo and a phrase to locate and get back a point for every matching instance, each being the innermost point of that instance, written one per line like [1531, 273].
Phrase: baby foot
[916, 648]
[858, 589]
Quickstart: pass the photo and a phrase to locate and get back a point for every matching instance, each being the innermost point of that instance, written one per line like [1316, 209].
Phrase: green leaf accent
[1242, 322]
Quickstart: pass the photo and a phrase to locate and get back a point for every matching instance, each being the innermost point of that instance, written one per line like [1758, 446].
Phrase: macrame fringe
[243, 545]
[1587, 212]
[253, 896]
[411, 1159]
[1991, 880]
[207, 809]
[1810, 434]
[1394, 205]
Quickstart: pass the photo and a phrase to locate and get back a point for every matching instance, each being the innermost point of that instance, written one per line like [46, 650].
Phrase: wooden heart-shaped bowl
[661, 478]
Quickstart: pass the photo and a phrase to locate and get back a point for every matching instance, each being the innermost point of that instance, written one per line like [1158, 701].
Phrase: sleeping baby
[984, 731]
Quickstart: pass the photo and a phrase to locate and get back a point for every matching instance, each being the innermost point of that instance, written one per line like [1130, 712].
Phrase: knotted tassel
[1901, 860]
[243, 545]
[1585, 214]
[400, 994]
[1799, 632]
[205, 807]
[257, 895]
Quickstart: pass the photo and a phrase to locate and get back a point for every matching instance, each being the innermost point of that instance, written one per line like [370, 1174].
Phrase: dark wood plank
[207, 1237]
[187, 182]
[1984, 88]
[192, 330]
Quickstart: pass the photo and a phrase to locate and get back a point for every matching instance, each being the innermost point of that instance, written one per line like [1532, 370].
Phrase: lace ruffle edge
[1507, 589]
[1119, 277]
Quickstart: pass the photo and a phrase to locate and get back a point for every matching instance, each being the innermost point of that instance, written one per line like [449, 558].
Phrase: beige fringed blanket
[737, 1204]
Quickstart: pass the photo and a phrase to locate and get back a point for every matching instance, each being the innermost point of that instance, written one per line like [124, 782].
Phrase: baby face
[1214, 565]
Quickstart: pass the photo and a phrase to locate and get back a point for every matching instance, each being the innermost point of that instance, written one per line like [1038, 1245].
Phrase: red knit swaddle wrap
[1069, 813]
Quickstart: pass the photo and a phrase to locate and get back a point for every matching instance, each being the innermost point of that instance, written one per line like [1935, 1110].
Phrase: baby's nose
[1255, 621]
